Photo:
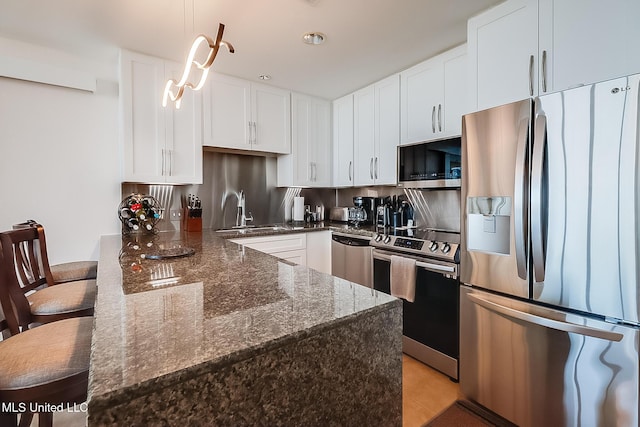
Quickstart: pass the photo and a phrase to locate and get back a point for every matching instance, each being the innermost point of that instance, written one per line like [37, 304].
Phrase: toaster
[339, 214]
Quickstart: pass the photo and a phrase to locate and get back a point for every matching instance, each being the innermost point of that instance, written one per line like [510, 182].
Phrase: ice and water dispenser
[488, 224]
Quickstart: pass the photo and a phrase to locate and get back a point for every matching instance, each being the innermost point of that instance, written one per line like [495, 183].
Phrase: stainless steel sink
[247, 230]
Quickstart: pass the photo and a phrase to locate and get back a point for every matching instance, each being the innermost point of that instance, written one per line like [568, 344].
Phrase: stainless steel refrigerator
[550, 257]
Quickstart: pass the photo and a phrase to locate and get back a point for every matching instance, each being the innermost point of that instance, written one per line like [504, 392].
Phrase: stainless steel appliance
[430, 322]
[339, 213]
[434, 164]
[366, 204]
[550, 257]
[351, 258]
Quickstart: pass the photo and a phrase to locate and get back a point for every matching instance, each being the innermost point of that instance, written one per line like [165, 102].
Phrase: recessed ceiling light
[313, 38]
[264, 77]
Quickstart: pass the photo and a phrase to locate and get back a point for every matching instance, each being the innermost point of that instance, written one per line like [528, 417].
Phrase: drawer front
[271, 244]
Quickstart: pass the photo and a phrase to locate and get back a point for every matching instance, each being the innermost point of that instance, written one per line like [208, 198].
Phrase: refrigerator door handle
[537, 182]
[545, 321]
[520, 197]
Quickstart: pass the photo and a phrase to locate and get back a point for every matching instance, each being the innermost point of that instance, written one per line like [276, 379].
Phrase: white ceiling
[366, 39]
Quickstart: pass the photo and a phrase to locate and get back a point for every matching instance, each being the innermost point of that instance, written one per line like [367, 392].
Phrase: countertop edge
[112, 398]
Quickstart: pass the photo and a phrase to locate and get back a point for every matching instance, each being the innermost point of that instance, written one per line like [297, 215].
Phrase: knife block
[192, 219]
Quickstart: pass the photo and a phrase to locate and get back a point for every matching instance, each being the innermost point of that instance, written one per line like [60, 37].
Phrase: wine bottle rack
[139, 213]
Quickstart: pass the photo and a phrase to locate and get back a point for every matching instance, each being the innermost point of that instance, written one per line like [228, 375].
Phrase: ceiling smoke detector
[313, 38]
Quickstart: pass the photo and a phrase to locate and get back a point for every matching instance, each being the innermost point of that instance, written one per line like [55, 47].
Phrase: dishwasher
[351, 258]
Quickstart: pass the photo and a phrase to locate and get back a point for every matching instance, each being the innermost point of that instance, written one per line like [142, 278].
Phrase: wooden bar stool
[67, 271]
[30, 283]
[44, 366]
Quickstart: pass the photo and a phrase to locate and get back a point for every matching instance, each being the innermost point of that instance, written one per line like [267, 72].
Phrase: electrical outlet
[175, 214]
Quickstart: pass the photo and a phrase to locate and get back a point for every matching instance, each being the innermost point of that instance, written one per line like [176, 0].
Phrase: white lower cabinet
[312, 249]
[319, 251]
[292, 247]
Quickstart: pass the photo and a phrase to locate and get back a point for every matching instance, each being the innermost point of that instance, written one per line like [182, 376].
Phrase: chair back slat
[9, 321]
[26, 268]
[28, 265]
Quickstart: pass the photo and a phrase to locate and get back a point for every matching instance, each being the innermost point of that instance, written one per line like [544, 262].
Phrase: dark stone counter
[233, 337]
[297, 227]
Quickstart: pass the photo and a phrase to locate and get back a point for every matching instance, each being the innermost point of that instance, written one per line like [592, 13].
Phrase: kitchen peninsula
[232, 336]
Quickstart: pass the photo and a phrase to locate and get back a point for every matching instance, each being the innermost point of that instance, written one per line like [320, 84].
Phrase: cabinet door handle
[440, 117]
[163, 162]
[313, 171]
[350, 169]
[250, 133]
[531, 75]
[170, 152]
[433, 120]
[255, 133]
[544, 71]
[371, 168]
[375, 169]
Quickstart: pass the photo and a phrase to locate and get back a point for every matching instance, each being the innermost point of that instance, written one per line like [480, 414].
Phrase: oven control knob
[387, 239]
[378, 237]
[446, 248]
[433, 247]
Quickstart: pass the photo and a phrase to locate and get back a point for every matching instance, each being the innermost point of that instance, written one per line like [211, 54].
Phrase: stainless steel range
[430, 321]
[441, 245]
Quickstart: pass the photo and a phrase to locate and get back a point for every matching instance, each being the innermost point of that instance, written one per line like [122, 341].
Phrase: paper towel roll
[298, 208]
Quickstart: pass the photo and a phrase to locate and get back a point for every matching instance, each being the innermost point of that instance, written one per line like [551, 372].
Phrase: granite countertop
[158, 322]
[297, 227]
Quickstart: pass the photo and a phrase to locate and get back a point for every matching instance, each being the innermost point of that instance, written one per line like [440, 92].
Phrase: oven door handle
[420, 264]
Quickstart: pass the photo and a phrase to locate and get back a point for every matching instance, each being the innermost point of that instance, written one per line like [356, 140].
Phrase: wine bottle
[126, 213]
[133, 223]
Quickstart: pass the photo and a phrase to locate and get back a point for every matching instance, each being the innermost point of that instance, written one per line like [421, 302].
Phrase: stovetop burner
[430, 243]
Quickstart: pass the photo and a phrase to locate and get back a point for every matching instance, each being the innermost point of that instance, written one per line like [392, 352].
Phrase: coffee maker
[364, 210]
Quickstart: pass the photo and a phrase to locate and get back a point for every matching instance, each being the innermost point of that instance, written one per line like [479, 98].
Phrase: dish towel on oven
[403, 277]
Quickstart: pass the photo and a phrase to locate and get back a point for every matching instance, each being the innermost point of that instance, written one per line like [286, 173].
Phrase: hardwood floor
[425, 392]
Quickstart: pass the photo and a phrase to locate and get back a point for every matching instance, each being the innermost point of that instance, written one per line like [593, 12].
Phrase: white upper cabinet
[422, 98]
[246, 116]
[524, 48]
[160, 144]
[309, 164]
[503, 50]
[433, 97]
[376, 116]
[456, 95]
[343, 141]
[586, 41]
[387, 130]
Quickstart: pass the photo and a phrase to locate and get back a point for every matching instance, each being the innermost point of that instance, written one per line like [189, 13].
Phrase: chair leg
[8, 419]
[25, 419]
[45, 419]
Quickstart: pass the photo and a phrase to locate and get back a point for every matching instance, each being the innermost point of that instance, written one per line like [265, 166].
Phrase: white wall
[59, 159]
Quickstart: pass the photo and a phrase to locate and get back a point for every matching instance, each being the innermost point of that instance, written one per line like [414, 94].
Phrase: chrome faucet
[241, 217]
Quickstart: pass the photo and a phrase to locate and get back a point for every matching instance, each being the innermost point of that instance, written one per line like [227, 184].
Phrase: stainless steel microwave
[433, 164]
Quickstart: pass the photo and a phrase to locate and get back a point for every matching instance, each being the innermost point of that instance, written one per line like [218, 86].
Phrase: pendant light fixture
[175, 89]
